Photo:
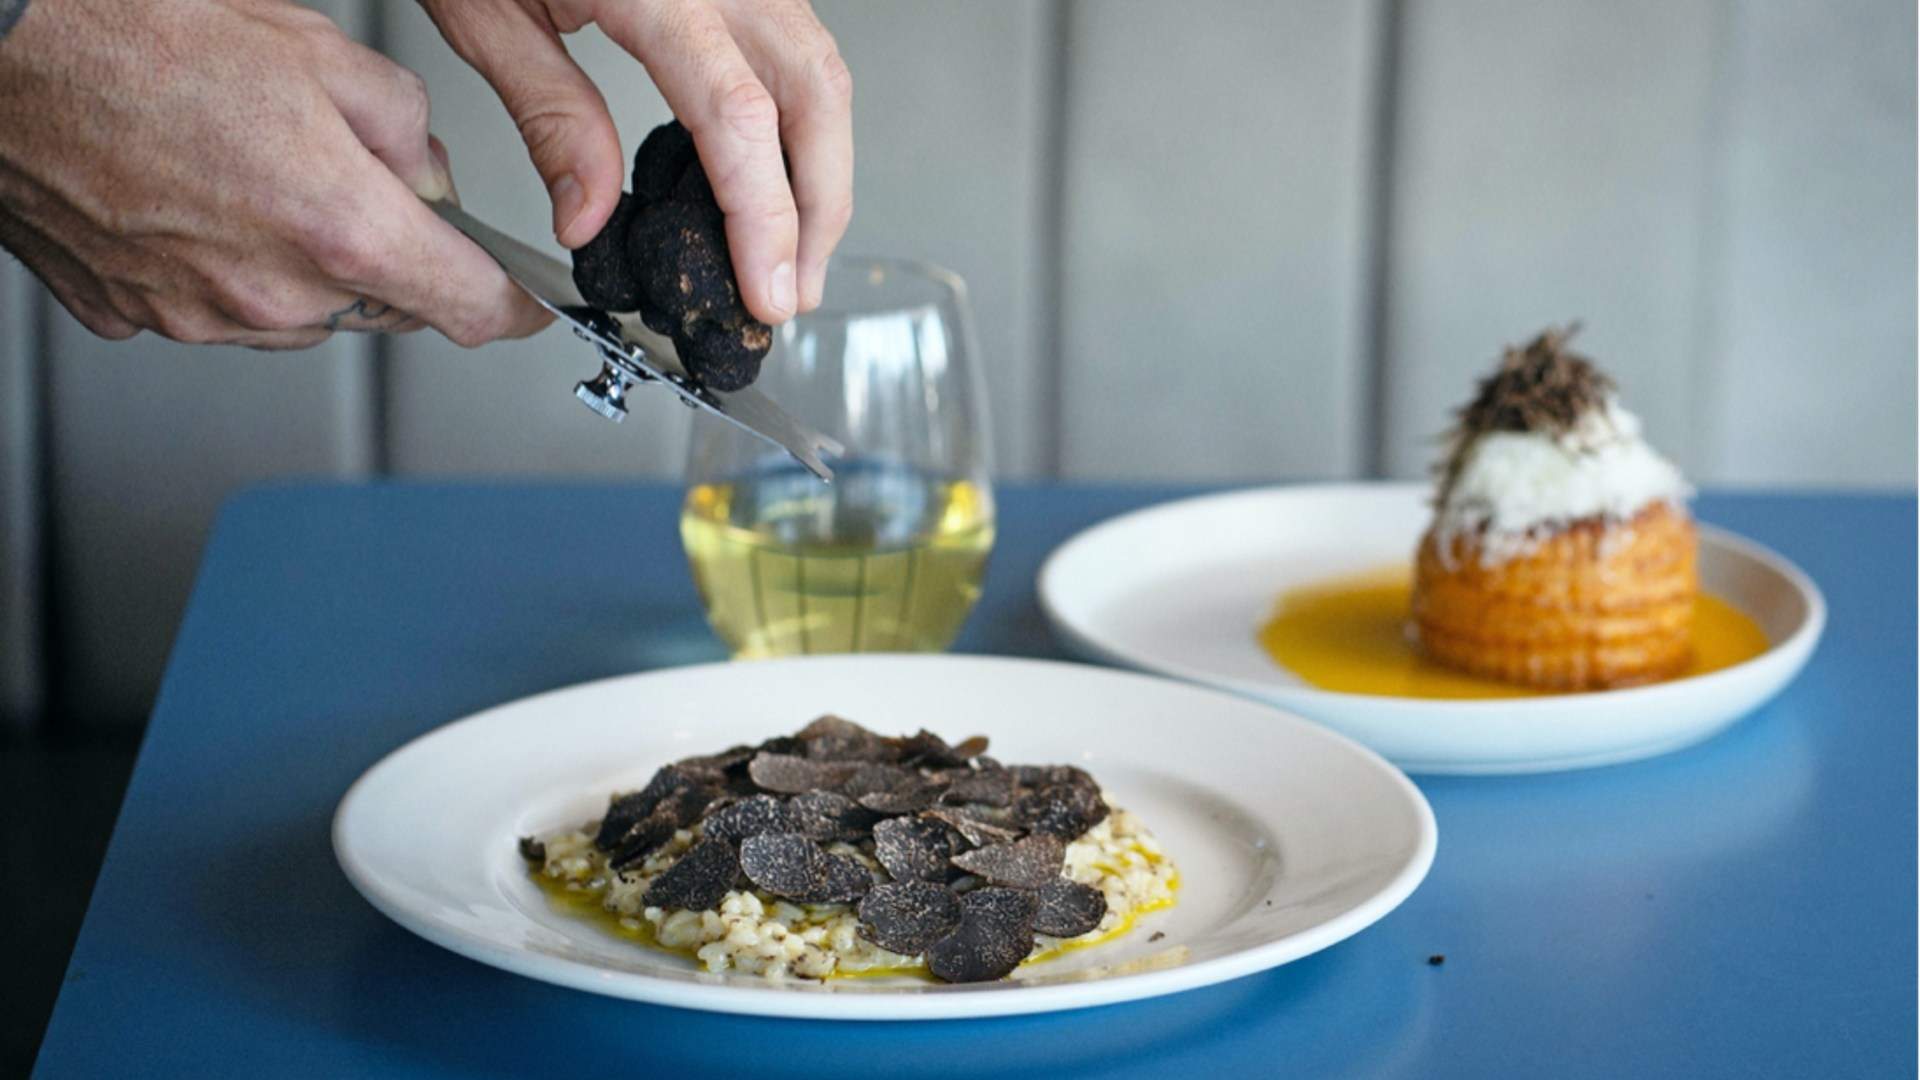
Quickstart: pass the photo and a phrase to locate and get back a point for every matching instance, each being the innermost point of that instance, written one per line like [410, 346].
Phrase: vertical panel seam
[46, 657]
[25, 700]
[376, 355]
[1049, 412]
[1375, 368]
[1710, 293]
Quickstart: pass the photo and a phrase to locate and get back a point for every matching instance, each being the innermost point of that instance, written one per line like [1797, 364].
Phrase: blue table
[1743, 907]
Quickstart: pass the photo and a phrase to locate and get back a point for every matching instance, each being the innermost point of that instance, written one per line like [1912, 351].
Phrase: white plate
[1182, 589]
[1288, 837]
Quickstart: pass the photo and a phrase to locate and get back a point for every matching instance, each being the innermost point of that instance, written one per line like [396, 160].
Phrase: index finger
[427, 268]
[735, 123]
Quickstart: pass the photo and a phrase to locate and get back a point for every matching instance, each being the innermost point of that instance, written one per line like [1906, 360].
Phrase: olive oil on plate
[886, 559]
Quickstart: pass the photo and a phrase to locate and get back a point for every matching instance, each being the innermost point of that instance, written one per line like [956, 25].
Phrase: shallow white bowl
[1182, 589]
[1287, 836]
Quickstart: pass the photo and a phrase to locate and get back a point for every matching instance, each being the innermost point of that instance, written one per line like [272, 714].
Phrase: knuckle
[472, 330]
[262, 309]
[837, 214]
[414, 106]
[345, 248]
[832, 80]
[100, 322]
[547, 133]
[186, 325]
[749, 112]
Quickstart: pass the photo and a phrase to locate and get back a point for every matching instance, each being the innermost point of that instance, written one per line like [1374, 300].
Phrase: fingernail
[781, 289]
[568, 201]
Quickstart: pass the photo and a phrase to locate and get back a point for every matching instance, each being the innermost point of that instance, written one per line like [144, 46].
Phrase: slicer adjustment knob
[606, 393]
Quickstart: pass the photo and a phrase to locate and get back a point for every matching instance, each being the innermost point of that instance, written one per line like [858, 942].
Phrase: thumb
[560, 112]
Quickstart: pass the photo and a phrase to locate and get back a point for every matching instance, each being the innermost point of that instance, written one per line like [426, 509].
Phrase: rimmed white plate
[1288, 837]
[1182, 588]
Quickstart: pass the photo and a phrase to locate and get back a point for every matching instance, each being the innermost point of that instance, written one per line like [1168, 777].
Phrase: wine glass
[888, 557]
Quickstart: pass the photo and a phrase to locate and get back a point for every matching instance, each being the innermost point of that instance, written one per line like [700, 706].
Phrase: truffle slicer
[631, 353]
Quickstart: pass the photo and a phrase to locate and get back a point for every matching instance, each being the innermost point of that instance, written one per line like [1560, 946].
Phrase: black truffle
[791, 775]
[1066, 810]
[995, 934]
[790, 865]
[827, 815]
[602, 271]
[910, 797]
[698, 880]
[907, 916]
[626, 811]
[664, 254]
[1028, 863]
[970, 825]
[835, 738]
[664, 157]
[913, 849]
[1068, 908]
[754, 816]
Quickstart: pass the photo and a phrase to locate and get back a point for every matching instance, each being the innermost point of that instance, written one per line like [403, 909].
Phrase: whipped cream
[1516, 488]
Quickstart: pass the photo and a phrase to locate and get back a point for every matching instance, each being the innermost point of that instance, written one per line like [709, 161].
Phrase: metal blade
[627, 343]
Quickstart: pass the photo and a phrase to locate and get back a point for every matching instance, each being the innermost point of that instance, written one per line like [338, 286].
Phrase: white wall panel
[1551, 163]
[145, 439]
[1809, 371]
[951, 120]
[1214, 201]
[947, 171]
[509, 407]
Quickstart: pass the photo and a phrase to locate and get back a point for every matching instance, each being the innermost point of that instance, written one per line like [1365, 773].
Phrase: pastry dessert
[1561, 554]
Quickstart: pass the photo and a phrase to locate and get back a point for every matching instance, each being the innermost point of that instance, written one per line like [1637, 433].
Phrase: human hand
[747, 77]
[234, 171]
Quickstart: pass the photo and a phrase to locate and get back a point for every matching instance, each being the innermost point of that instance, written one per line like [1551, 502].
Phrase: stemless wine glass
[889, 556]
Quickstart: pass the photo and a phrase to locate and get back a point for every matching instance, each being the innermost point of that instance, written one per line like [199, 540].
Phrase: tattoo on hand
[365, 314]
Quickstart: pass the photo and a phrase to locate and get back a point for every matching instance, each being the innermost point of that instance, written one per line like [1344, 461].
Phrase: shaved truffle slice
[907, 916]
[752, 817]
[913, 849]
[909, 798]
[733, 759]
[835, 738]
[1065, 810]
[649, 835]
[991, 786]
[625, 811]
[1028, 863]
[827, 815]
[602, 271]
[977, 831]
[995, 934]
[533, 851]
[678, 810]
[871, 777]
[1068, 908]
[923, 747]
[790, 865]
[783, 744]
[791, 775]
[698, 880]
[846, 880]
[685, 806]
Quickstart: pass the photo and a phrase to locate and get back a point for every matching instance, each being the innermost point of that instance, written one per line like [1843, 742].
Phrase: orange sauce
[1350, 635]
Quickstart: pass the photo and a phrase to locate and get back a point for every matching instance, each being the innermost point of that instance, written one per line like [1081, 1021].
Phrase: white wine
[886, 559]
